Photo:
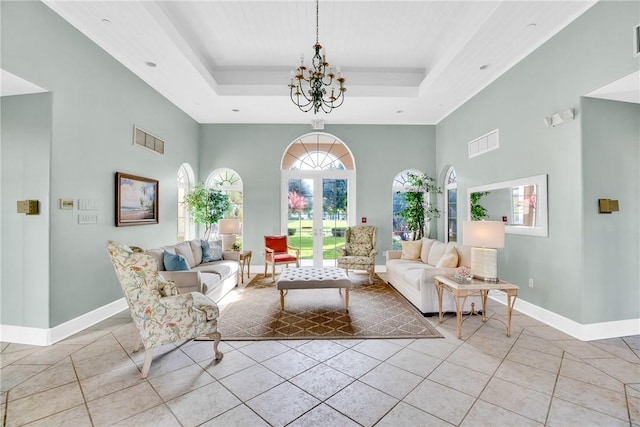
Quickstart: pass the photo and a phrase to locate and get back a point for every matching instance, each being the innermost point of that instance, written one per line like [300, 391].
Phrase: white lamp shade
[484, 234]
[228, 226]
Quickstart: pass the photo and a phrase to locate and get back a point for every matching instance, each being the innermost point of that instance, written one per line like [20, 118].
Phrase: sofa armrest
[185, 281]
[231, 255]
[393, 254]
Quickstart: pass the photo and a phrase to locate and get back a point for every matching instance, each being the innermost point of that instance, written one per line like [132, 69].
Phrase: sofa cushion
[426, 247]
[196, 250]
[174, 262]
[184, 249]
[437, 250]
[411, 249]
[358, 249]
[449, 259]
[223, 269]
[211, 251]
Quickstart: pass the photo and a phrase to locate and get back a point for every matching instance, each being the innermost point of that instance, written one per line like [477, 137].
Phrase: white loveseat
[411, 272]
[214, 279]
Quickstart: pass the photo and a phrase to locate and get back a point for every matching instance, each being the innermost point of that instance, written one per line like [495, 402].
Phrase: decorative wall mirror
[521, 204]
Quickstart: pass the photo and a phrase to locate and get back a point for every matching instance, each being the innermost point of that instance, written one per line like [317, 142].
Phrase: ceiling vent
[144, 139]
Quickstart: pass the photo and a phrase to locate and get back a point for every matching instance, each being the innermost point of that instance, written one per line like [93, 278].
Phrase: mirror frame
[542, 227]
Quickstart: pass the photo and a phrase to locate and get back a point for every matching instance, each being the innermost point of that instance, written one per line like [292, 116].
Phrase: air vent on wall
[484, 144]
[148, 141]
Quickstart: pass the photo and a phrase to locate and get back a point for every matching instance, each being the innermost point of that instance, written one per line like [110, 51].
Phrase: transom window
[317, 151]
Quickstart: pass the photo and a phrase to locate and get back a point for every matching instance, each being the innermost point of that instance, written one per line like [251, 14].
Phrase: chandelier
[309, 86]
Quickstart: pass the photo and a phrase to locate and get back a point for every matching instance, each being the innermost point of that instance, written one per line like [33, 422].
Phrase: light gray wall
[95, 104]
[26, 145]
[255, 153]
[592, 51]
[611, 164]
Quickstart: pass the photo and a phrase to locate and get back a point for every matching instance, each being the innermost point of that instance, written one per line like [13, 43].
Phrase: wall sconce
[484, 237]
[560, 117]
[228, 228]
[607, 206]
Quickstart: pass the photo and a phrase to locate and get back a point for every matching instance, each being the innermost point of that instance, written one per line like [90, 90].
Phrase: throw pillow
[411, 249]
[211, 252]
[449, 259]
[174, 262]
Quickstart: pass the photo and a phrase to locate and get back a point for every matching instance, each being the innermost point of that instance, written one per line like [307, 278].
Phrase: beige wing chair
[359, 252]
[161, 315]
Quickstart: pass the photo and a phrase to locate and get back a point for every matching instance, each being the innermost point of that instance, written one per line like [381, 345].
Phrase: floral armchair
[161, 315]
[359, 252]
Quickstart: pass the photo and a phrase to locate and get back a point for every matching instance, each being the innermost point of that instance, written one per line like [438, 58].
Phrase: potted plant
[206, 206]
[417, 212]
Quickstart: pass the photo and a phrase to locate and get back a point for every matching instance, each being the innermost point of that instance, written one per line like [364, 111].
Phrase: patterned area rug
[375, 311]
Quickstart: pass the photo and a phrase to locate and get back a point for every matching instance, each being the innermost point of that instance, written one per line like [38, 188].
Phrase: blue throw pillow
[174, 262]
[211, 252]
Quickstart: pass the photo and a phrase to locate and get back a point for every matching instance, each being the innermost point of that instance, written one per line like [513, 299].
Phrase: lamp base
[484, 264]
[227, 241]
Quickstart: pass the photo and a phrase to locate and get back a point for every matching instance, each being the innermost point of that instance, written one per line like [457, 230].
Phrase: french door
[317, 207]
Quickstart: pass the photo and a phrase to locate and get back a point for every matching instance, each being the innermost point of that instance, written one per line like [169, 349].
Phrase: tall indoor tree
[206, 206]
[417, 211]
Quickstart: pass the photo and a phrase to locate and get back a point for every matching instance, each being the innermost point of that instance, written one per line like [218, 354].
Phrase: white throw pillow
[411, 249]
[449, 259]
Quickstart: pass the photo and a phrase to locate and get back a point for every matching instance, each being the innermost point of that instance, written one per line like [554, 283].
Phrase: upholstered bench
[313, 278]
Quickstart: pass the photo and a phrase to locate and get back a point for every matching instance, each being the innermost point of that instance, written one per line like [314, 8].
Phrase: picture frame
[136, 200]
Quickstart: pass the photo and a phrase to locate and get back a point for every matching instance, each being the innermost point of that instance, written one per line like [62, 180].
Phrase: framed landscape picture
[136, 200]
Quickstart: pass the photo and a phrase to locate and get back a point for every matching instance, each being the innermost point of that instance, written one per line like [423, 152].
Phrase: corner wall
[589, 53]
[95, 103]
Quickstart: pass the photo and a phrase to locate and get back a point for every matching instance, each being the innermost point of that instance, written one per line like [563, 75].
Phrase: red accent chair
[276, 251]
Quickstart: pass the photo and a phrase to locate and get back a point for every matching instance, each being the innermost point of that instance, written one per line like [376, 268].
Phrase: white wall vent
[485, 143]
[146, 140]
[636, 40]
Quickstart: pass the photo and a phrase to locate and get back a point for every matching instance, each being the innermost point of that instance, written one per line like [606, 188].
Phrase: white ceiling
[405, 62]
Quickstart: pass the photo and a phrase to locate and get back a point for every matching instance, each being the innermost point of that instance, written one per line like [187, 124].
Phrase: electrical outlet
[530, 282]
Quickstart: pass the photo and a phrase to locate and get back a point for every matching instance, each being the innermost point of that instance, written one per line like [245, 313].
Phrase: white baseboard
[584, 332]
[40, 336]
[588, 332]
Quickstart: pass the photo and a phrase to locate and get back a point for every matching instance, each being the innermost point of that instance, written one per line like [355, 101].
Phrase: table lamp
[484, 237]
[228, 228]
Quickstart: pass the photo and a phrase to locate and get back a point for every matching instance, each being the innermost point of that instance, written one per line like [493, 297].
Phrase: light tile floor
[538, 376]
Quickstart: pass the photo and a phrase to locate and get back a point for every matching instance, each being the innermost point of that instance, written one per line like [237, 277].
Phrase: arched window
[451, 205]
[399, 226]
[185, 180]
[230, 182]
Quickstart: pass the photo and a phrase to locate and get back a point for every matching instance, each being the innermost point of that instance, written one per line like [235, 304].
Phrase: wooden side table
[461, 291]
[244, 258]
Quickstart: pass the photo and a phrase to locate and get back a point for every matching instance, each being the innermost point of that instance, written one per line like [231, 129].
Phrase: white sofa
[214, 279]
[412, 273]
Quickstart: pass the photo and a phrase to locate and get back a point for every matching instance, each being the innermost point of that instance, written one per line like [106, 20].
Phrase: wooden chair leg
[216, 340]
[265, 269]
[148, 356]
[273, 272]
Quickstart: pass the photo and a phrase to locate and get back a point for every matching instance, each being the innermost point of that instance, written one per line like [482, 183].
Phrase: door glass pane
[300, 217]
[334, 217]
[400, 231]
